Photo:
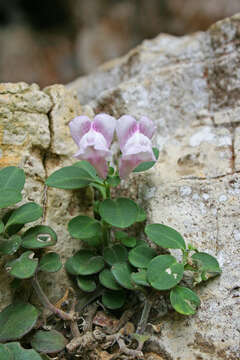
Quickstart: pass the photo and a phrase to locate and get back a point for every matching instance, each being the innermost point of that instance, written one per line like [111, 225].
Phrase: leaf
[122, 274]
[207, 264]
[69, 178]
[48, 342]
[164, 272]
[12, 177]
[126, 240]
[121, 212]
[84, 262]
[1, 227]
[83, 164]
[140, 278]
[24, 267]
[86, 284]
[165, 236]
[141, 215]
[115, 254]
[50, 262]
[141, 256]
[20, 353]
[83, 227]
[184, 300]
[146, 165]
[11, 229]
[16, 320]
[9, 197]
[9, 247]
[38, 237]
[114, 181]
[107, 279]
[24, 214]
[5, 353]
[113, 299]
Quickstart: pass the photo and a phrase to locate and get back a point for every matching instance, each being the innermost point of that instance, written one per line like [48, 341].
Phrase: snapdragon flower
[135, 143]
[94, 139]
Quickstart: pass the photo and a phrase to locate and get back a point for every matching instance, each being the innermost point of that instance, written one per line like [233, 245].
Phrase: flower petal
[126, 127]
[79, 126]
[147, 127]
[105, 124]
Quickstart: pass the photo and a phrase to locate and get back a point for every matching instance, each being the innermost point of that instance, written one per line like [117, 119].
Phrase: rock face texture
[190, 87]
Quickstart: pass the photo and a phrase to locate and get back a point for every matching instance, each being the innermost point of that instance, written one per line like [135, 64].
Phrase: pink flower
[135, 142]
[94, 139]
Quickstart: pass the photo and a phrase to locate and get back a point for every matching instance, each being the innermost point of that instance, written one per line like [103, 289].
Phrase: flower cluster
[94, 139]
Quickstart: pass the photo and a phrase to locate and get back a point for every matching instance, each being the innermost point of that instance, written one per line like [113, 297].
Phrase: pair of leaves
[12, 180]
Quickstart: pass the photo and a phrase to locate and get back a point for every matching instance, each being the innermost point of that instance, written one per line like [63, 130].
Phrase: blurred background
[55, 41]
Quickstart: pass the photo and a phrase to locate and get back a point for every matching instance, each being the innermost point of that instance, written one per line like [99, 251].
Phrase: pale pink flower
[94, 139]
[135, 143]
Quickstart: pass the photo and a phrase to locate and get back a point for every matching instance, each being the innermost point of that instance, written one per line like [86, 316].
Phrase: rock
[190, 87]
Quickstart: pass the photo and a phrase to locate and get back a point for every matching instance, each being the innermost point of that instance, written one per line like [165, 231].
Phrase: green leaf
[5, 353]
[165, 236]
[1, 227]
[141, 215]
[11, 229]
[122, 274]
[86, 284]
[207, 264]
[115, 254]
[69, 178]
[164, 272]
[107, 279]
[20, 353]
[121, 212]
[24, 267]
[146, 165]
[113, 299]
[83, 164]
[48, 342]
[9, 247]
[84, 262]
[140, 278]
[12, 177]
[9, 197]
[141, 256]
[184, 300]
[38, 237]
[126, 240]
[24, 214]
[114, 180]
[16, 320]
[83, 227]
[50, 262]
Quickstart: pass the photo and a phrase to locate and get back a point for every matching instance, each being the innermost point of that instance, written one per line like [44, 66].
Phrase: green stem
[144, 317]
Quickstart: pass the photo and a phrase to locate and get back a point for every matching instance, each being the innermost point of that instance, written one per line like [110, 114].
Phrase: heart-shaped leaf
[140, 278]
[24, 214]
[9, 247]
[38, 237]
[207, 264]
[84, 262]
[5, 353]
[86, 284]
[48, 342]
[128, 241]
[107, 279]
[141, 256]
[115, 254]
[16, 320]
[121, 212]
[19, 353]
[84, 227]
[164, 272]
[69, 178]
[12, 177]
[50, 262]
[113, 299]
[165, 236]
[122, 274]
[24, 267]
[184, 300]
[9, 197]
[147, 164]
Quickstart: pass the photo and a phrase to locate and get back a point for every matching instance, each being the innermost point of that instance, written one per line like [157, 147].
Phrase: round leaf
[122, 274]
[126, 240]
[9, 197]
[48, 342]
[70, 177]
[12, 177]
[5, 353]
[84, 262]
[113, 299]
[141, 256]
[16, 320]
[115, 254]
[165, 236]
[24, 214]
[121, 212]
[184, 300]
[140, 278]
[207, 264]
[107, 279]
[50, 262]
[86, 284]
[19, 353]
[83, 227]
[24, 267]
[9, 247]
[38, 237]
[164, 272]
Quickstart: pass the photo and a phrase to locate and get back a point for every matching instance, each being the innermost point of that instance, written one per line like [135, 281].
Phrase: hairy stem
[144, 317]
